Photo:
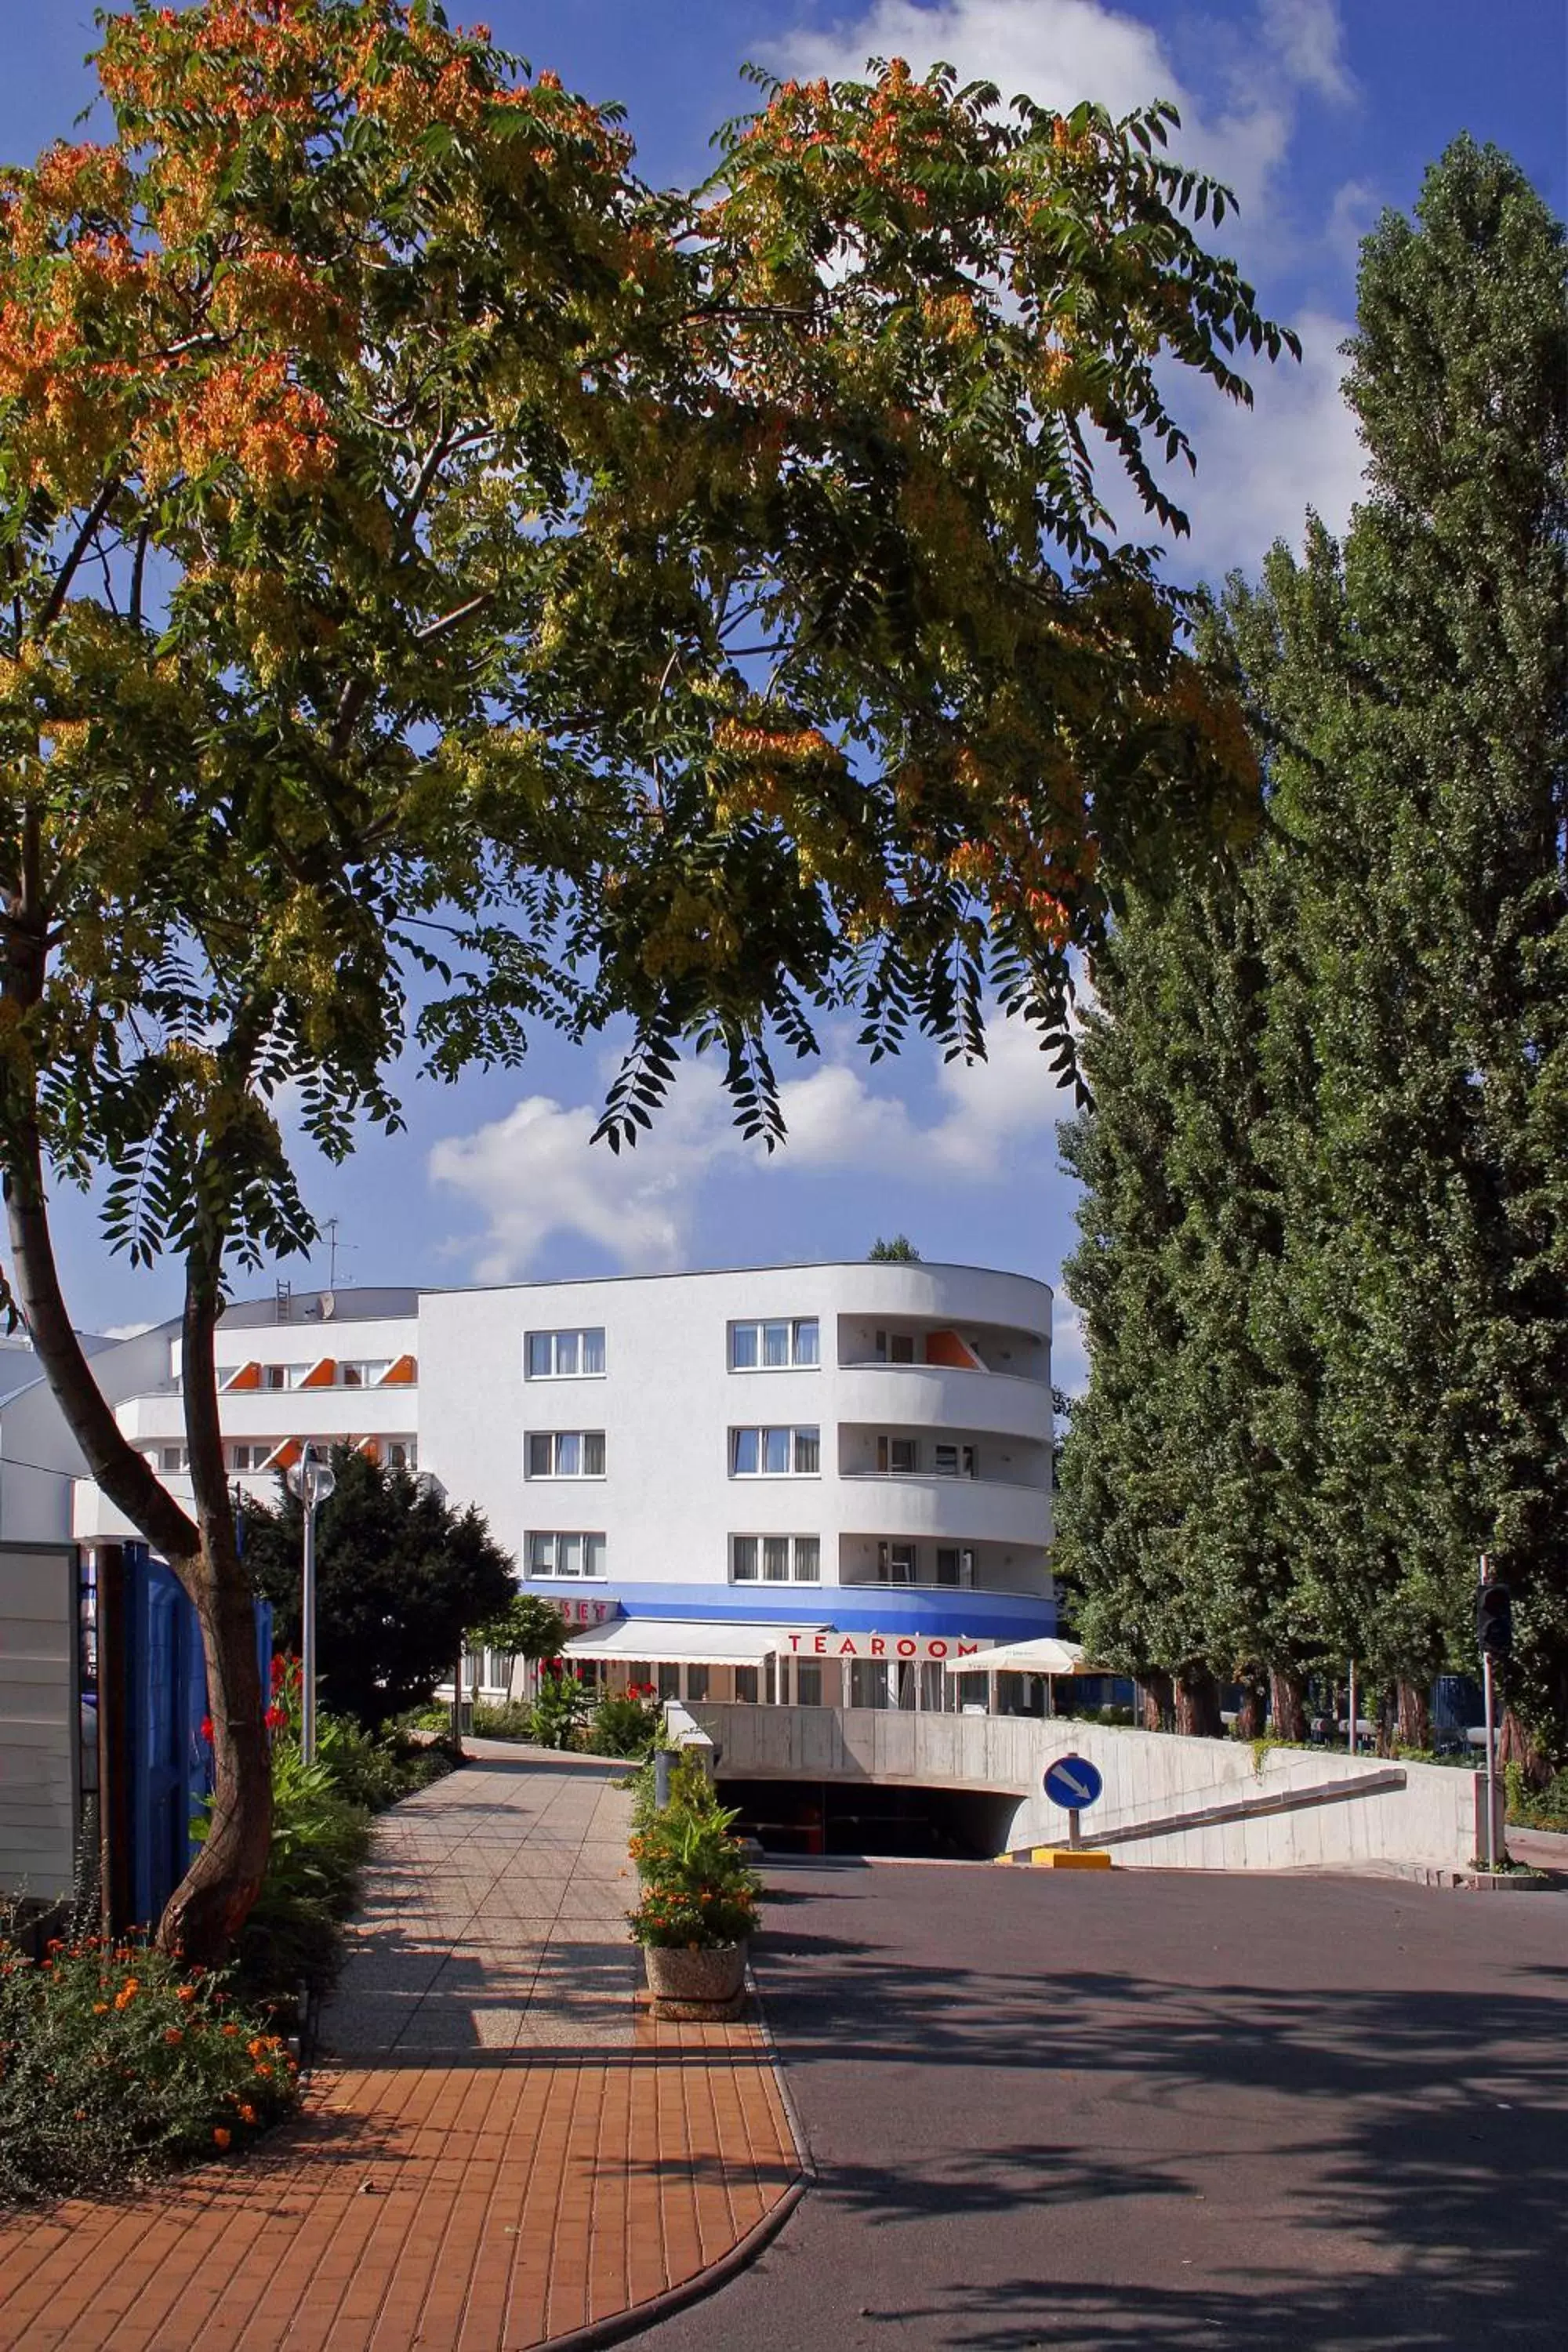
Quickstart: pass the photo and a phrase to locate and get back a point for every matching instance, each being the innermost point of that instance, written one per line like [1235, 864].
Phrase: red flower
[276, 1718]
[206, 1729]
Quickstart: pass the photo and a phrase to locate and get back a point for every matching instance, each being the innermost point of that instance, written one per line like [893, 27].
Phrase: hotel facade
[814, 1483]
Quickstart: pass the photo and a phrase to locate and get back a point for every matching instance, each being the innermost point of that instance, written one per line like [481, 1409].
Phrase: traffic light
[1494, 1621]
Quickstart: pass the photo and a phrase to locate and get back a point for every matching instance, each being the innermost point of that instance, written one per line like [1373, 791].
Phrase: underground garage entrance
[840, 1817]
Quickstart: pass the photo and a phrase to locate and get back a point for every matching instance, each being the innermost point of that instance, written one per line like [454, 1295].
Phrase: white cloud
[1261, 468]
[126, 1330]
[533, 1174]
[1070, 1346]
[1308, 34]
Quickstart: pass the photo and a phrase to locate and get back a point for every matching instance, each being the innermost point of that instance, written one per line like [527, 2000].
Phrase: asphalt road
[1167, 2110]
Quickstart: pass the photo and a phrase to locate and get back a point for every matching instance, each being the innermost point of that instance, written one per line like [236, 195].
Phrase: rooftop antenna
[330, 1227]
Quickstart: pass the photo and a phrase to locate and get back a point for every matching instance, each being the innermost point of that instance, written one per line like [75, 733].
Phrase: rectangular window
[774, 1453]
[807, 1683]
[566, 1554]
[565, 1454]
[669, 1682]
[696, 1681]
[954, 1566]
[953, 1461]
[747, 1684]
[563, 1355]
[367, 1373]
[896, 1563]
[174, 1457]
[776, 1344]
[895, 1347]
[775, 1559]
[898, 1457]
[402, 1454]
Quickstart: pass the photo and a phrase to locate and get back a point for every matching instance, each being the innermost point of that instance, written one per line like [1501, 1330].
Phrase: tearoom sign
[921, 1649]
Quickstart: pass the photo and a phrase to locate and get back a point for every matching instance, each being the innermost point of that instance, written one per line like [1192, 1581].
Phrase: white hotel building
[809, 1483]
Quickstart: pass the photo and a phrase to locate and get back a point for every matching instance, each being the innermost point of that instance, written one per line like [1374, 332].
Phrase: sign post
[1074, 1783]
[1494, 1638]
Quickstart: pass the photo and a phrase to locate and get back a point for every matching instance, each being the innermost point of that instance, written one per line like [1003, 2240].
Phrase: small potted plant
[697, 1909]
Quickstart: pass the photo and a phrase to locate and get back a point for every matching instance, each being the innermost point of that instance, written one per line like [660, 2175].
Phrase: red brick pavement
[474, 2208]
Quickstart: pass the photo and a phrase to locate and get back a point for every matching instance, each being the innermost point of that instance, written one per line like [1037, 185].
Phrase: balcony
[945, 1397]
[958, 1510]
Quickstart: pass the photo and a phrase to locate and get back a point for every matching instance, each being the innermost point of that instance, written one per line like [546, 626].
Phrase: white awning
[683, 1642]
[1045, 1656]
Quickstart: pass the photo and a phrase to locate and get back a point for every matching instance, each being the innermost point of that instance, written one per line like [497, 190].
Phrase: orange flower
[186, 1992]
[247, 2115]
[222, 2135]
[174, 2035]
[127, 1993]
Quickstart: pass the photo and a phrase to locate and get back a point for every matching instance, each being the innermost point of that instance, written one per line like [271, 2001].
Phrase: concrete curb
[618, 2326]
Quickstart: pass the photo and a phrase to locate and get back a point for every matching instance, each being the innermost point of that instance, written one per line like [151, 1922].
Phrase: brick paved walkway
[508, 2151]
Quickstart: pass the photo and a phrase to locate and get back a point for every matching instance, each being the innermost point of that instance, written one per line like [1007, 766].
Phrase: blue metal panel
[944, 1611]
[169, 1762]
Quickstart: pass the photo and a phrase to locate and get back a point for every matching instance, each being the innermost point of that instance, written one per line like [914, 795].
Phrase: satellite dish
[329, 1305]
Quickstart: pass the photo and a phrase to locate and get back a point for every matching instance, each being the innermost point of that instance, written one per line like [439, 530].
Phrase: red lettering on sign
[937, 1649]
[969, 1649]
[879, 1647]
[819, 1644]
[846, 1647]
[794, 1643]
[906, 1648]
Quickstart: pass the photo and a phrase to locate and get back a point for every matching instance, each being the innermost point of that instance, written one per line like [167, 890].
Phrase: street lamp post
[312, 1481]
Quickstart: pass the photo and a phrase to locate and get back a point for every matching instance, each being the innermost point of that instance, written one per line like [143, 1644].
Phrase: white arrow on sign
[1078, 1787]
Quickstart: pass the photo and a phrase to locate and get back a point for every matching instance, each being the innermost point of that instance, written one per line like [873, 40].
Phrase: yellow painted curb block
[1056, 1857]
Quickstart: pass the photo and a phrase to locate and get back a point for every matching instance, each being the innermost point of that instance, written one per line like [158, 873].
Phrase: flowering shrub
[697, 1888]
[114, 2061]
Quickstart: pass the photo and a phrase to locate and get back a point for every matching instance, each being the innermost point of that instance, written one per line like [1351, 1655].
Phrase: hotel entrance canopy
[1044, 1656]
[683, 1642]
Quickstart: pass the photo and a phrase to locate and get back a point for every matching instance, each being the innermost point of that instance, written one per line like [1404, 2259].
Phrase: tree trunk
[1385, 1720]
[1198, 1704]
[1251, 1715]
[209, 1906]
[1412, 1716]
[1154, 1700]
[1287, 1706]
[1516, 1745]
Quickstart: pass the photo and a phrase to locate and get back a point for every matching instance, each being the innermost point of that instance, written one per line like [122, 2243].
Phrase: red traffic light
[1494, 1621]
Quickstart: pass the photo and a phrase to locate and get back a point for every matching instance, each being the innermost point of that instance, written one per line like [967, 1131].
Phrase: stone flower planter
[696, 1983]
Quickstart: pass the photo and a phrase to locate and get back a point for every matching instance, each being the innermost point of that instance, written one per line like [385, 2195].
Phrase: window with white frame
[775, 1559]
[775, 1344]
[174, 1457]
[565, 1355]
[954, 1565]
[897, 1563]
[776, 1453]
[365, 1373]
[565, 1454]
[953, 1461]
[895, 1347]
[283, 1376]
[898, 1457]
[568, 1554]
[250, 1458]
[401, 1453]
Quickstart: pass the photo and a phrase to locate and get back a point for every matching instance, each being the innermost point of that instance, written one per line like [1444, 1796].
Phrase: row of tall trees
[1324, 1251]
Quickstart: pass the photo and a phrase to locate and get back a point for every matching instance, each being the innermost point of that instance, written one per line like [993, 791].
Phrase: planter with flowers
[697, 1909]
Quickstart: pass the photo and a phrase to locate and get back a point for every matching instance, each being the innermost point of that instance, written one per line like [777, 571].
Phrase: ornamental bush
[115, 2062]
[698, 1890]
[622, 1724]
[557, 1713]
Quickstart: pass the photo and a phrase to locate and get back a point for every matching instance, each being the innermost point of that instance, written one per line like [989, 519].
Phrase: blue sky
[1320, 115]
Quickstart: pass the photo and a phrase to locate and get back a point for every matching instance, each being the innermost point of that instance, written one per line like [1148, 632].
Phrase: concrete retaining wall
[1294, 1809]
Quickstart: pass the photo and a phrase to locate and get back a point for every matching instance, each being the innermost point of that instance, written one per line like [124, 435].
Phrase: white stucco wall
[668, 1401]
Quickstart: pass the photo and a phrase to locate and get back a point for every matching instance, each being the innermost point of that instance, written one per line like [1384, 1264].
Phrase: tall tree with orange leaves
[451, 585]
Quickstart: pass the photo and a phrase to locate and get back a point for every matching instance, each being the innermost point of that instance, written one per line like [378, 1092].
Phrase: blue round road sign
[1073, 1782]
